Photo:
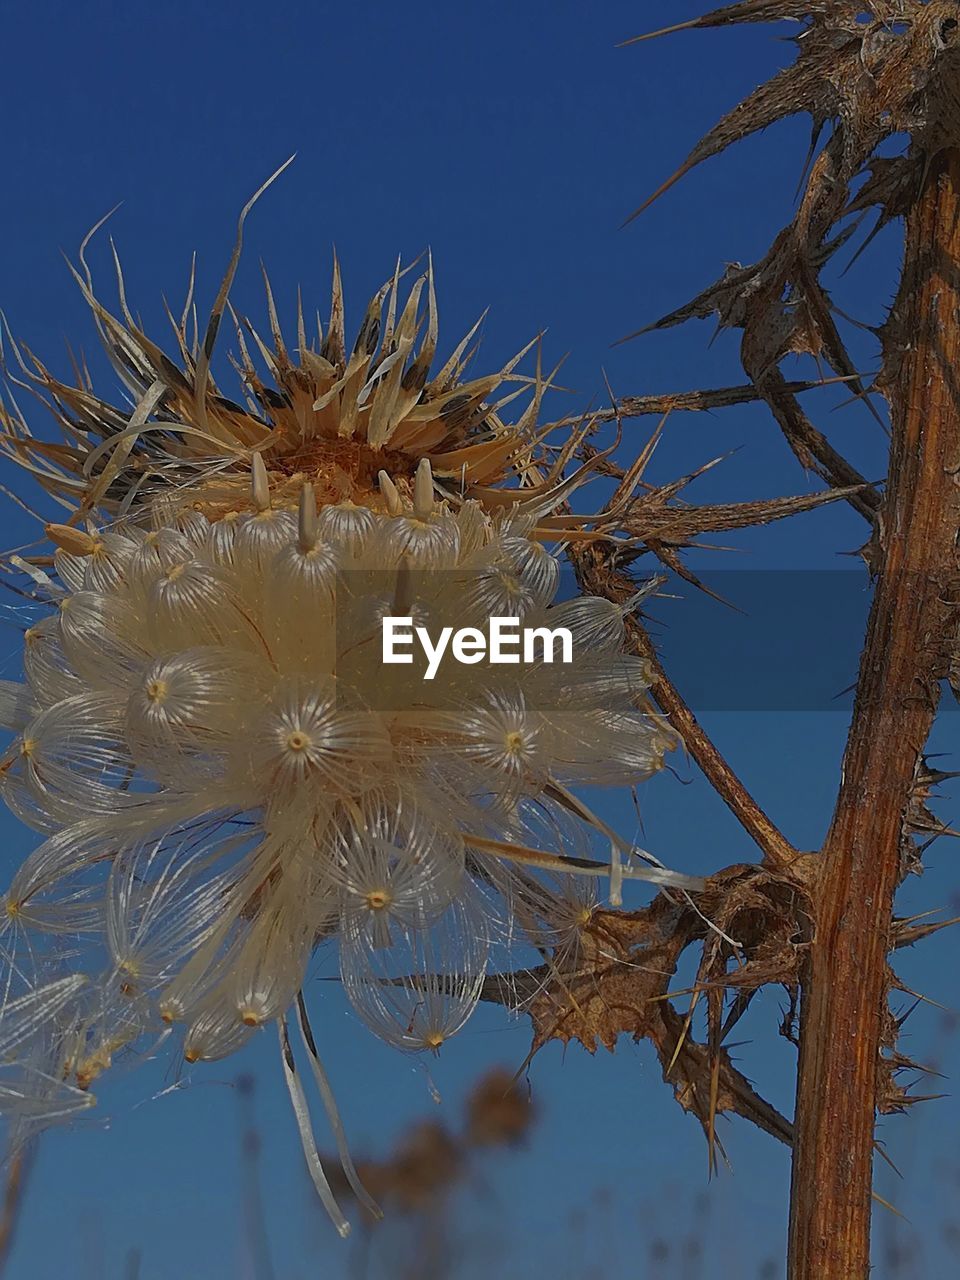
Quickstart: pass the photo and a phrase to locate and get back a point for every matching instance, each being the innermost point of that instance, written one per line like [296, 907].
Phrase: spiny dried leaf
[811, 447]
[617, 981]
[626, 963]
[708, 1085]
[686, 401]
[679, 525]
[889, 75]
[896, 72]
[744, 11]
[891, 186]
[796, 89]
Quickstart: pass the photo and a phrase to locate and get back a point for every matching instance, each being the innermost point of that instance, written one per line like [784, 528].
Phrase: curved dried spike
[280, 349]
[213, 324]
[390, 493]
[307, 519]
[88, 237]
[368, 334]
[334, 348]
[188, 302]
[423, 490]
[301, 328]
[121, 289]
[121, 445]
[744, 11]
[259, 483]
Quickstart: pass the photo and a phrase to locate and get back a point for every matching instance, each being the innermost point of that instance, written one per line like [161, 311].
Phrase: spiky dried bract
[615, 978]
[872, 70]
[327, 412]
[869, 71]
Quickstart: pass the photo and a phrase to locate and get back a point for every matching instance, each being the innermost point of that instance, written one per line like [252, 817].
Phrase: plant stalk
[910, 634]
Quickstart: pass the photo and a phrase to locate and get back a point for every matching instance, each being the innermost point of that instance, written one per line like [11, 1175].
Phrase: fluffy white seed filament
[224, 773]
[308, 1142]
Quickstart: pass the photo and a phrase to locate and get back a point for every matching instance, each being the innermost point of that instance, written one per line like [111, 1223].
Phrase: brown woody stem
[597, 578]
[777, 849]
[910, 630]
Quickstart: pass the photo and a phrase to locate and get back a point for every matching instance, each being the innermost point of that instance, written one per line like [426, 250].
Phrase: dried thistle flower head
[329, 413]
[226, 773]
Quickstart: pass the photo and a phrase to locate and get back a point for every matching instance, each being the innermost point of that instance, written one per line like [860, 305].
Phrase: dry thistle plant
[225, 773]
[823, 924]
[213, 811]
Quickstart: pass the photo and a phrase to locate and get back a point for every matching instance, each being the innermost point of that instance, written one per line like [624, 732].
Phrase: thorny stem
[18, 1171]
[813, 449]
[845, 985]
[599, 579]
[694, 401]
[777, 849]
[811, 445]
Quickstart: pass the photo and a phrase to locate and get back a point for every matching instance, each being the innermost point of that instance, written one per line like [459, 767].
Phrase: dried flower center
[156, 691]
[298, 740]
[378, 899]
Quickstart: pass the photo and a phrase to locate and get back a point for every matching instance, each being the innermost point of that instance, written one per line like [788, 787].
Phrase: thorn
[423, 490]
[307, 518]
[75, 541]
[402, 589]
[906, 1014]
[661, 190]
[259, 483]
[935, 776]
[664, 31]
[390, 493]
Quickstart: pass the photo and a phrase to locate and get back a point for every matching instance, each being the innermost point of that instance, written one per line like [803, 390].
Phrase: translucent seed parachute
[225, 773]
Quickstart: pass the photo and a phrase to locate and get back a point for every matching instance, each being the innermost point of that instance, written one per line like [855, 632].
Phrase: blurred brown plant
[432, 1159]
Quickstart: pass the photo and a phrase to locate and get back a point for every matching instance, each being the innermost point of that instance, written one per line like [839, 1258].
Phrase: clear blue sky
[512, 139]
